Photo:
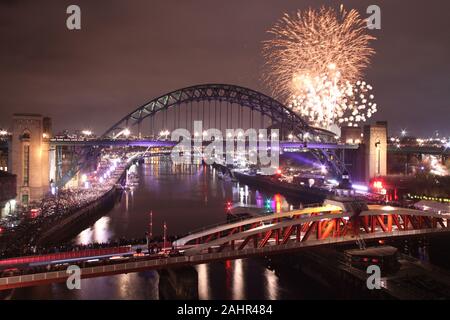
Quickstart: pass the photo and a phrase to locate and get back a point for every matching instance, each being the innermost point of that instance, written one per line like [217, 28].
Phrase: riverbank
[64, 230]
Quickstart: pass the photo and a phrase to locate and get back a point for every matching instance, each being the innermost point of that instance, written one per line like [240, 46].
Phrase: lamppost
[164, 235]
[151, 225]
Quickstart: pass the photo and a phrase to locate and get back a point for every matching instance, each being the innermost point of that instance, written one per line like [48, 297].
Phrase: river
[186, 197]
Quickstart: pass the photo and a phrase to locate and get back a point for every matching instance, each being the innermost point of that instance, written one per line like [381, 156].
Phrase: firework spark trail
[315, 60]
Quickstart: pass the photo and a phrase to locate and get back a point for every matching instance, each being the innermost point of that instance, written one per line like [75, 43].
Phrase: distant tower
[375, 141]
[30, 156]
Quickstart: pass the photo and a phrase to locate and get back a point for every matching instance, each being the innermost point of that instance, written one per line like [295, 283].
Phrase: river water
[187, 198]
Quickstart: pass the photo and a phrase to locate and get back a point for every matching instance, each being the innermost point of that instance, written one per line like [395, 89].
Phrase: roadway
[160, 143]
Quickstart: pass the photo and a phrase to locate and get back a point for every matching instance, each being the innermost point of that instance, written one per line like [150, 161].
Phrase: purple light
[360, 188]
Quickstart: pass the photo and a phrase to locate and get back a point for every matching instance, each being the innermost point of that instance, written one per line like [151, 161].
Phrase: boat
[303, 193]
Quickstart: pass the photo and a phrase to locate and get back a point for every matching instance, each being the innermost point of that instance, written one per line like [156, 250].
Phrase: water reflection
[272, 290]
[203, 282]
[100, 232]
[238, 281]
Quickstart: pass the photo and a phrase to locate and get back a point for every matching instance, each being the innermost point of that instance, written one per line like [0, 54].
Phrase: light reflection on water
[272, 290]
[100, 232]
[203, 282]
[238, 281]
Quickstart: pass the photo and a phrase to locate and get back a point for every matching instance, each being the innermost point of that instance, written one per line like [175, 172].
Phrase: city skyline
[240, 153]
[117, 61]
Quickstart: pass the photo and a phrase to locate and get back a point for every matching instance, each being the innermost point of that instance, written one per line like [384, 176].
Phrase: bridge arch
[280, 117]
[279, 114]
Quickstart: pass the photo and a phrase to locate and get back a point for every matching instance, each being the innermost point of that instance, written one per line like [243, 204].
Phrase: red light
[279, 172]
[34, 213]
[378, 184]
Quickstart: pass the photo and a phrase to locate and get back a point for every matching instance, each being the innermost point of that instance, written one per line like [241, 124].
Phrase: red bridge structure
[334, 222]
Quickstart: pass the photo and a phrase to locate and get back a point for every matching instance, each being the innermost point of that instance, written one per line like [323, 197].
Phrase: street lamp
[404, 132]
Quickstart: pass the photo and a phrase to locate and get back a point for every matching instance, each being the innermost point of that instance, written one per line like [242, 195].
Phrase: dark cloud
[131, 51]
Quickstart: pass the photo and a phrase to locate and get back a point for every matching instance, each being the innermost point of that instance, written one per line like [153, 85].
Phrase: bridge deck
[145, 264]
[379, 222]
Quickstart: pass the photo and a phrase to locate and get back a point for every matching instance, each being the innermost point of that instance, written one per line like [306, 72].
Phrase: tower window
[26, 165]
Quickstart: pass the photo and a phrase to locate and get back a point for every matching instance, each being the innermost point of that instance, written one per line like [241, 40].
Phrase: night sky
[129, 52]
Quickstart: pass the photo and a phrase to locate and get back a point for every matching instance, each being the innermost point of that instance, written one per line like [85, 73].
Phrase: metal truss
[256, 101]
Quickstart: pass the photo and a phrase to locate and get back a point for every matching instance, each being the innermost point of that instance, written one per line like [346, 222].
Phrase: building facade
[375, 141]
[29, 156]
[8, 189]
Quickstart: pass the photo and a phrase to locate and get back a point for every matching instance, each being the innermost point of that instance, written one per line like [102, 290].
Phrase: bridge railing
[220, 224]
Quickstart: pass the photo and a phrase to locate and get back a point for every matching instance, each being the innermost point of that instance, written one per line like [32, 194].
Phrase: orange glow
[277, 203]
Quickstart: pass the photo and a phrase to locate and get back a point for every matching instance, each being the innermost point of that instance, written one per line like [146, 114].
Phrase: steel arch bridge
[254, 100]
[280, 116]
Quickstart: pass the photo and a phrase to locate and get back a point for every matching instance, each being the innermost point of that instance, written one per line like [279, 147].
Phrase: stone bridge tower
[30, 156]
[375, 141]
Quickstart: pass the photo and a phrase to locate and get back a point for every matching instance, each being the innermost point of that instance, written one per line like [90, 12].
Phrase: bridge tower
[30, 156]
[375, 141]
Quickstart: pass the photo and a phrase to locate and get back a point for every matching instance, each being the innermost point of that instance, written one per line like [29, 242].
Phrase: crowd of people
[71, 247]
[20, 232]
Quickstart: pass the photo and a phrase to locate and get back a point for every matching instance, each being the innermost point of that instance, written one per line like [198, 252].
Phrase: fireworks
[328, 103]
[315, 59]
